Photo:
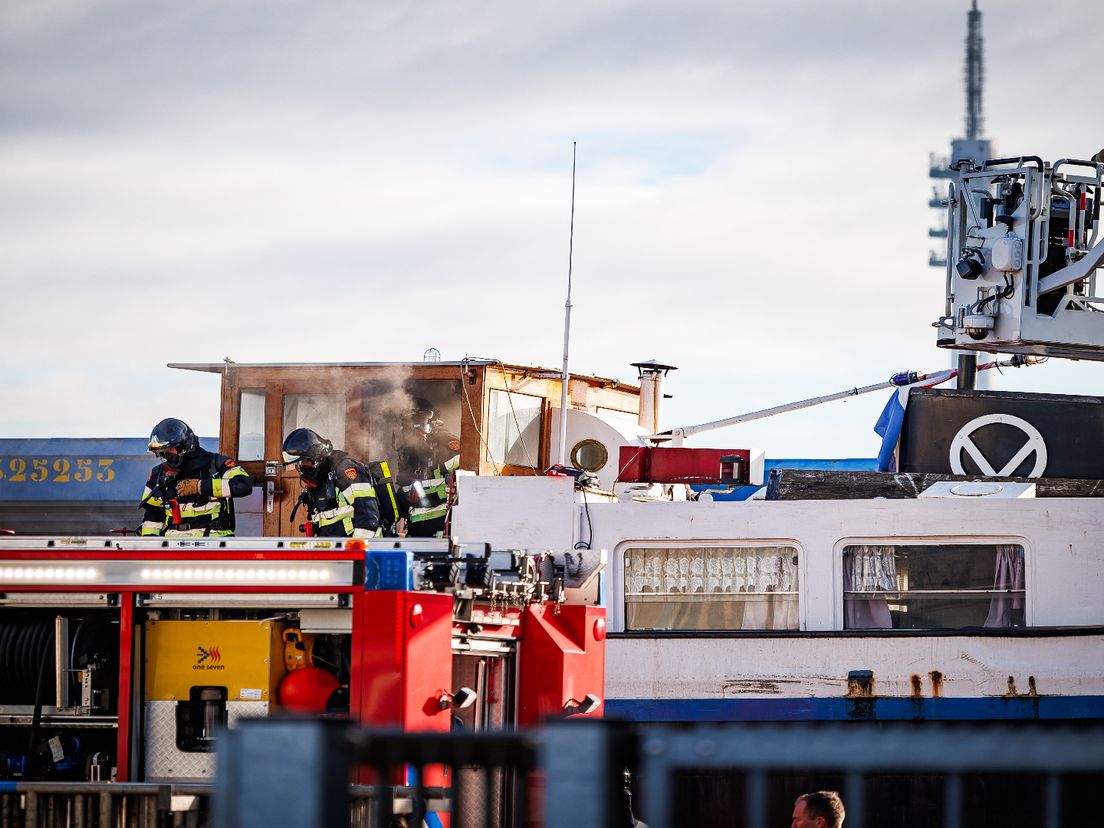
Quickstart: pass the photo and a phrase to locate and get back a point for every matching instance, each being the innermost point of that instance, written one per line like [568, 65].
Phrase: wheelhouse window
[251, 424]
[322, 413]
[513, 433]
[395, 413]
[944, 586]
[711, 588]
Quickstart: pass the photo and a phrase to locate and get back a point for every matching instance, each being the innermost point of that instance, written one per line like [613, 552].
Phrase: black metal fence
[295, 774]
[101, 805]
[571, 774]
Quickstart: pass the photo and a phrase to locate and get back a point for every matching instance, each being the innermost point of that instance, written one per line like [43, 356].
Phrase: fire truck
[122, 658]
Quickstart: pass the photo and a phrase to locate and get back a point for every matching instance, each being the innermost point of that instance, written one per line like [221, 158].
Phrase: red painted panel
[645, 464]
[405, 660]
[126, 688]
[560, 659]
[428, 663]
[401, 663]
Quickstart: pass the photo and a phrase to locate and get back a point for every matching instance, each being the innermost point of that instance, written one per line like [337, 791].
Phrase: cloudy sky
[292, 181]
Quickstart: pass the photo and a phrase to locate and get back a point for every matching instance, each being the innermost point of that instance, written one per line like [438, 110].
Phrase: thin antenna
[564, 379]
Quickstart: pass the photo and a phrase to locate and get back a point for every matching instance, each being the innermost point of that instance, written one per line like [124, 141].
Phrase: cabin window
[945, 586]
[513, 433]
[711, 588]
[251, 424]
[322, 413]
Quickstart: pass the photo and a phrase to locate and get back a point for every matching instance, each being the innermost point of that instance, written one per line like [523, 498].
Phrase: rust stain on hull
[1032, 691]
[860, 684]
[936, 683]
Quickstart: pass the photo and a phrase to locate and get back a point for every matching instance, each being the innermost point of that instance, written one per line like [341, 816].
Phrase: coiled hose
[23, 643]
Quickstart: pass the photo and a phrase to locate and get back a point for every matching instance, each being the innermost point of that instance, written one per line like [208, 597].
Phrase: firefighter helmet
[171, 439]
[306, 447]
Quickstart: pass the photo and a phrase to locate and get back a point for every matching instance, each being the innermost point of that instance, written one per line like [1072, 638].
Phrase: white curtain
[753, 588]
[868, 569]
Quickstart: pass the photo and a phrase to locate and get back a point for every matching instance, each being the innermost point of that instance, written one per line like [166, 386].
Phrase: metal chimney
[651, 374]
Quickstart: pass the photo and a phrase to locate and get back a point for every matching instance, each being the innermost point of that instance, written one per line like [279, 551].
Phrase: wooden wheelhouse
[504, 416]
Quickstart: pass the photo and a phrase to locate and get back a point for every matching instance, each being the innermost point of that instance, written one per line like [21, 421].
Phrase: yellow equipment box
[245, 657]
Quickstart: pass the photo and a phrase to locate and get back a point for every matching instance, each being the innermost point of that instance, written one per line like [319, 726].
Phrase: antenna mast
[567, 320]
[975, 73]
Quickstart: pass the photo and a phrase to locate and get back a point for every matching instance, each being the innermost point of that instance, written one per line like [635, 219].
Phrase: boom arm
[677, 435]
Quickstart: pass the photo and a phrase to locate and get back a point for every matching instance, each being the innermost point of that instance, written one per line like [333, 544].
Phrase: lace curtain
[711, 588]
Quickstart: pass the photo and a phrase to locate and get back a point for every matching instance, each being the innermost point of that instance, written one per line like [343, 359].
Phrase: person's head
[820, 809]
[308, 449]
[171, 439]
[423, 416]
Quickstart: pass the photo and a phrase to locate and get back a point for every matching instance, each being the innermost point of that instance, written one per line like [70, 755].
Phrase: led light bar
[226, 574]
[291, 575]
[62, 574]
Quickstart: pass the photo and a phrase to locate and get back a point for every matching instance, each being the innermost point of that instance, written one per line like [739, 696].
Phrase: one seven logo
[202, 655]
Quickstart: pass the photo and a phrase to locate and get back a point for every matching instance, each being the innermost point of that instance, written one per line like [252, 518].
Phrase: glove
[187, 487]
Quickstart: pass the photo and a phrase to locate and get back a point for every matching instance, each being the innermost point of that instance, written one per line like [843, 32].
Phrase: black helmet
[306, 447]
[171, 439]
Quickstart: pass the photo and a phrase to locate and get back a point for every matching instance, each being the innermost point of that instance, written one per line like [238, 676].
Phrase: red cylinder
[307, 690]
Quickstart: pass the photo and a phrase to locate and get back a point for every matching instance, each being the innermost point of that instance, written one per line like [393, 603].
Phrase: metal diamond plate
[165, 761]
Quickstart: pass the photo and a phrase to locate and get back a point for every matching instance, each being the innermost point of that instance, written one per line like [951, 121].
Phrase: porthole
[589, 455]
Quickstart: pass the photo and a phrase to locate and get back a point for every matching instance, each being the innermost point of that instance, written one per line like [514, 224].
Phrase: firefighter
[428, 457]
[190, 491]
[337, 490]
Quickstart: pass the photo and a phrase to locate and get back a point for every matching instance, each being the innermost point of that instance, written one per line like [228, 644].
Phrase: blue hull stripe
[839, 709]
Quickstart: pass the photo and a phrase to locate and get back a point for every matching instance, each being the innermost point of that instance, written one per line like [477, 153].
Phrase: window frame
[618, 608]
[262, 392]
[838, 611]
[535, 451]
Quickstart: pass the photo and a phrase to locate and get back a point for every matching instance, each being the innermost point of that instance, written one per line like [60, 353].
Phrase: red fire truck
[123, 657]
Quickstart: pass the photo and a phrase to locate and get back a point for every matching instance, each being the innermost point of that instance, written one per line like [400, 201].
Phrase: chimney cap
[652, 366]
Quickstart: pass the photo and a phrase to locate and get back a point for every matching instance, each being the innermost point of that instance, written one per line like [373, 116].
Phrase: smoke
[390, 399]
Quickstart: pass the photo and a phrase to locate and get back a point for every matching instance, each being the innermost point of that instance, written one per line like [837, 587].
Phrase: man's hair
[825, 804]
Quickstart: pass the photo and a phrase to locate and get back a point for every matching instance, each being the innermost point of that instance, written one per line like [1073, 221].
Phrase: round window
[589, 455]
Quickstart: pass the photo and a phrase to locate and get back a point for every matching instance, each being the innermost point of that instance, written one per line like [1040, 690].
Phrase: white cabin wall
[515, 512]
[1063, 539]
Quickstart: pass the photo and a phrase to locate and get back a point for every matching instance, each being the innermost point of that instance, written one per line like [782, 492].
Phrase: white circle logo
[1034, 443]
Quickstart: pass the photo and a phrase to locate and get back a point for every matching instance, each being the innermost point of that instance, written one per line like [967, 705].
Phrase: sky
[343, 182]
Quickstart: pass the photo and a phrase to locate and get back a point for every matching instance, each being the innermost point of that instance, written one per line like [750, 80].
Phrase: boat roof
[219, 367]
[531, 370]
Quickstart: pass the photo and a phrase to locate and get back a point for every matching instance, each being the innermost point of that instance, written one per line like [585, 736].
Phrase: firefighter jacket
[430, 499]
[393, 502]
[341, 499]
[210, 512]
